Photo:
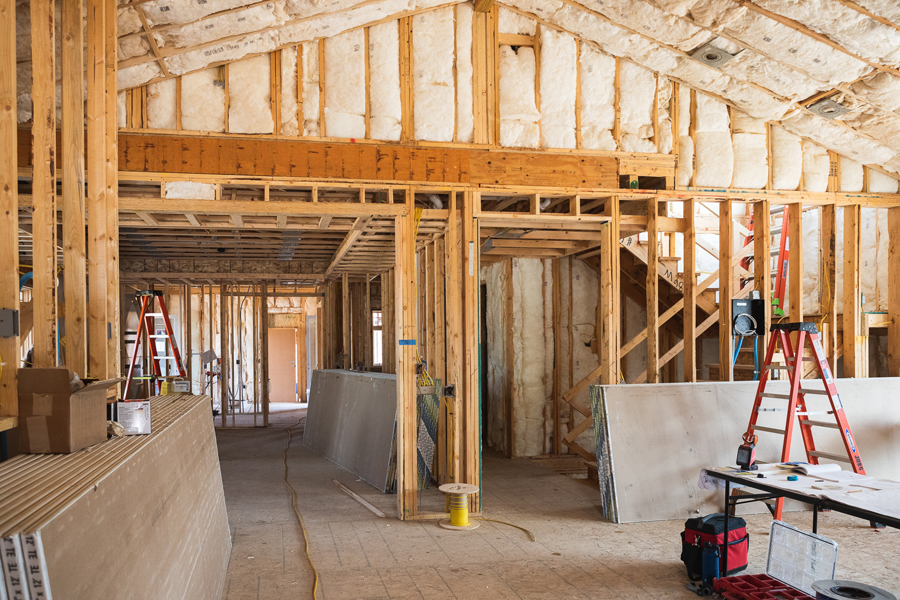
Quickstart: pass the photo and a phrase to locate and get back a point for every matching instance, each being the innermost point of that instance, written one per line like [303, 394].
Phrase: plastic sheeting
[558, 83]
[161, 105]
[636, 99]
[289, 108]
[465, 121]
[433, 75]
[787, 159]
[203, 101]
[250, 110]
[384, 82]
[518, 112]
[598, 96]
[345, 85]
[310, 71]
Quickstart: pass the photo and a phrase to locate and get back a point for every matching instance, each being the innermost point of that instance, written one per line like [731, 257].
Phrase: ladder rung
[157, 337]
[153, 314]
[771, 409]
[806, 414]
[817, 392]
[777, 396]
[769, 429]
[820, 424]
[165, 358]
[777, 367]
[830, 456]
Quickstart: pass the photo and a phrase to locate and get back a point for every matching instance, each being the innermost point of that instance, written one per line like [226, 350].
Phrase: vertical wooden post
[652, 290]
[428, 314]
[795, 264]
[852, 318]
[367, 322]
[828, 287]
[690, 293]
[73, 186]
[43, 131]
[762, 262]
[726, 283]
[188, 331]
[407, 96]
[224, 355]
[609, 297]
[264, 330]
[98, 359]
[472, 396]
[113, 305]
[454, 337]
[345, 321]
[439, 361]
[302, 355]
[894, 292]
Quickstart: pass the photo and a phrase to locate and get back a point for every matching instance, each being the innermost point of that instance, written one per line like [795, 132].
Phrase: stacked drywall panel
[642, 426]
[384, 81]
[135, 517]
[712, 134]
[345, 85]
[250, 110]
[433, 84]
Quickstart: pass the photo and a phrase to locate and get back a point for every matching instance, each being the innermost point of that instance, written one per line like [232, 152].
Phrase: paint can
[835, 589]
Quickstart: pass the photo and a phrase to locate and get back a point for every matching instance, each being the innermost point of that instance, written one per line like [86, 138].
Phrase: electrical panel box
[749, 317]
[9, 322]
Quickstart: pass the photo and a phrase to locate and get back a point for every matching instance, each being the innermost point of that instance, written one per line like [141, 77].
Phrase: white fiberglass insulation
[132, 47]
[812, 242]
[513, 22]
[191, 190]
[838, 138]
[851, 175]
[558, 83]
[751, 170]
[289, 108]
[518, 113]
[879, 183]
[161, 105]
[685, 168]
[384, 81]
[130, 77]
[664, 115]
[465, 121]
[787, 159]
[434, 100]
[203, 101]
[781, 79]
[714, 152]
[167, 12]
[816, 166]
[495, 276]
[128, 21]
[345, 85]
[880, 88]
[250, 110]
[598, 96]
[236, 23]
[636, 97]
[309, 69]
[121, 110]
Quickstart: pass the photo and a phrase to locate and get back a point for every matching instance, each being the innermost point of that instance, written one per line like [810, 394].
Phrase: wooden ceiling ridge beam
[353, 235]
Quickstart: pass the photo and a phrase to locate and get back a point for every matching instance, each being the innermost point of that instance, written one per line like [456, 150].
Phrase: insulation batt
[433, 75]
[345, 98]
[130, 77]
[598, 113]
[782, 80]
[191, 190]
[751, 170]
[310, 71]
[816, 166]
[881, 89]
[289, 108]
[518, 113]
[203, 101]
[166, 12]
[637, 93]
[121, 110]
[851, 175]
[236, 23]
[812, 242]
[642, 16]
[384, 81]
[879, 183]
[250, 109]
[513, 22]
[465, 121]
[133, 47]
[714, 152]
[664, 111]
[128, 21]
[838, 138]
[558, 83]
[496, 359]
[787, 159]
[685, 167]
[161, 105]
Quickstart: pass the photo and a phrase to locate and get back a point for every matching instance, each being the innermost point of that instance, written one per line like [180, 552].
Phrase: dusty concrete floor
[577, 553]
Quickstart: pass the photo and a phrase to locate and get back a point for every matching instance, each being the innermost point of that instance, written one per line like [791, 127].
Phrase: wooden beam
[726, 289]
[113, 296]
[828, 292]
[98, 320]
[795, 263]
[471, 397]
[652, 291]
[359, 227]
[483, 6]
[264, 307]
[407, 96]
[74, 257]
[43, 130]
[690, 299]
[610, 311]
[762, 262]
[454, 337]
[345, 320]
[893, 263]
[852, 317]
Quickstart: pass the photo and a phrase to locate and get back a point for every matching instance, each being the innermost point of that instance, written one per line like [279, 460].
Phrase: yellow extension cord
[294, 506]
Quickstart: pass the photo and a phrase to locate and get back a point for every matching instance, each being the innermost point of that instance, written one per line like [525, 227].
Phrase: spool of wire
[835, 589]
[459, 506]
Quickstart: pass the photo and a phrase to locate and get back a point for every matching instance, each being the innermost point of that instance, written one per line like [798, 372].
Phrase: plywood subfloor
[577, 553]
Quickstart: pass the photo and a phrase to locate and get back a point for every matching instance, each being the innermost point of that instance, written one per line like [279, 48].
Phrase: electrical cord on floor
[530, 535]
[294, 506]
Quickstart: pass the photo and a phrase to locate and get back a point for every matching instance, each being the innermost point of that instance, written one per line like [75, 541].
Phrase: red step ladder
[146, 324]
[782, 270]
[793, 356]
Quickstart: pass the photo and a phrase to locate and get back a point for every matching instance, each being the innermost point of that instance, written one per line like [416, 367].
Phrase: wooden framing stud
[726, 291]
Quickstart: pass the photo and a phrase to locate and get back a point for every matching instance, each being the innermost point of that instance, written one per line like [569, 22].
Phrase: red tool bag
[711, 529]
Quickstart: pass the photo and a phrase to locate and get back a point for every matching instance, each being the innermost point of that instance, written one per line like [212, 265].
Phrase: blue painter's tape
[407, 342]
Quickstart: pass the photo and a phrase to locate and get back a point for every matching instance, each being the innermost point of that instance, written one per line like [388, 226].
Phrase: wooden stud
[557, 355]
[610, 316]
[795, 264]
[225, 79]
[893, 292]
[452, 251]
[726, 289]
[43, 128]
[762, 263]
[689, 292]
[300, 119]
[471, 398]
[407, 95]
[345, 292]
[455, 77]
[652, 289]
[692, 131]
[113, 296]
[655, 115]
[368, 77]
[439, 359]
[428, 315]
[322, 132]
[854, 346]
[264, 322]
[178, 103]
[9, 211]
[617, 124]
[493, 84]
[224, 355]
[578, 101]
[537, 78]
[188, 330]
[828, 287]
[275, 89]
[302, 357]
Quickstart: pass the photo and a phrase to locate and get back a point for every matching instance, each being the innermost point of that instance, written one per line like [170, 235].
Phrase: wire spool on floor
[845, 590]
[459, 506]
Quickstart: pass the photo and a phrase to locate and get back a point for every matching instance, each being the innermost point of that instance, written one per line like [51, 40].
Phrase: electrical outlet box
[9, 322]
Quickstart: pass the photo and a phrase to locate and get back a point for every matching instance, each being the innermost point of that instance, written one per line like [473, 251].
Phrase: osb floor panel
[577, 553]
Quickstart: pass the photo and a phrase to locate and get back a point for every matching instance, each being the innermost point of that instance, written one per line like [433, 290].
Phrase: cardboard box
[52, 420]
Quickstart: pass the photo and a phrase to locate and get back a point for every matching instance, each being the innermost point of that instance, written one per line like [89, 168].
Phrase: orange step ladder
[146, 324]
[793, 356]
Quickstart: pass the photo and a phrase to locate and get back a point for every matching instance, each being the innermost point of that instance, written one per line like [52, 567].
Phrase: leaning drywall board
[350, 421]
[660, 436]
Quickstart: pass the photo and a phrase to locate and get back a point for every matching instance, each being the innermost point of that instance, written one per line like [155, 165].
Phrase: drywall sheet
[161, 105]
[350, 421]
[636, 100]
[289, 116]
[151, 507]
[345, 85]
[558, 82]
[598, 96]
[384, 81]
[658, 437]
[309, 69]
[465, 121]
[250, 109]
[203, 101]
[518, 112]
[433, 87]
